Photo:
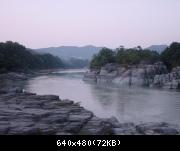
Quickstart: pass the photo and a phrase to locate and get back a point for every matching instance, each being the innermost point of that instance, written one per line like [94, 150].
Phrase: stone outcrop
[139, 75]
[91, 76]
[10, 82]
[155, 75]
[26, 113]
[169, 80]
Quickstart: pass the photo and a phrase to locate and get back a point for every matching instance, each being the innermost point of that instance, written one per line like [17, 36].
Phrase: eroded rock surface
[170, 80]
[155, 75]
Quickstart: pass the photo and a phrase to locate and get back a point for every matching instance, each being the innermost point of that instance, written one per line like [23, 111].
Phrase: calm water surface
[127, 104]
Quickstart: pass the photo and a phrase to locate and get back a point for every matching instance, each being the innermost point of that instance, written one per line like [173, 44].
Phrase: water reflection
[127, 104]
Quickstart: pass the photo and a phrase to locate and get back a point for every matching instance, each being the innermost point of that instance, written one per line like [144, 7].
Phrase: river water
[126, 104]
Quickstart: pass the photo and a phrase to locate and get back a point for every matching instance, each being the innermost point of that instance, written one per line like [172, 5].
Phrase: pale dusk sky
[110, 23]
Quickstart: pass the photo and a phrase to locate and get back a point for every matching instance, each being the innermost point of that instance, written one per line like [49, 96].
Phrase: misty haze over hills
[67, 52]
[158, 48]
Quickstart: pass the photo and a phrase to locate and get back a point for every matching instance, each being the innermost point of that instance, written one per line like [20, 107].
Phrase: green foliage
[171, 56]
[136, 56]
[103, 57]
[14, 56]
[124, 56]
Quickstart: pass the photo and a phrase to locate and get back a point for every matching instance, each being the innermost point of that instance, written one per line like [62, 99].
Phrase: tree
[103, 57]
[124, 56]
[14, 57]
[171, 55]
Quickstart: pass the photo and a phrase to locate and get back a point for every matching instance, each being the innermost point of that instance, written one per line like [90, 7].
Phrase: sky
[109, 23]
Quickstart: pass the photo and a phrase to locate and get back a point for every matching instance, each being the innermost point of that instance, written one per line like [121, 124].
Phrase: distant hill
[75, 63]
[65, 52]
[158, 48]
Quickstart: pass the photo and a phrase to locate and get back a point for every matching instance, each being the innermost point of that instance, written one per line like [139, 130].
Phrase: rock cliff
[170, 80]
[155, 75]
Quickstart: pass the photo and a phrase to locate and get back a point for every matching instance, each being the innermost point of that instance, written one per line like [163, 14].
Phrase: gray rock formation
[169, 80]
[155, 75]
[11, 82]
[91, 76]
[140, 75]
[26, 113]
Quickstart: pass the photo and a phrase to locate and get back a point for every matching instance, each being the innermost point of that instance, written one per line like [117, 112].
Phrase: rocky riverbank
[170, 80]
[27, 113]
[155, 75]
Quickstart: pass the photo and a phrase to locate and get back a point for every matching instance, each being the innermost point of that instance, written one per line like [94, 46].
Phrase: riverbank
[28, 113]
[149, 75]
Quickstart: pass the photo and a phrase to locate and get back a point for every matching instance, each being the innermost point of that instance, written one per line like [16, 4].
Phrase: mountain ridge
[158, 48]
[84, 52]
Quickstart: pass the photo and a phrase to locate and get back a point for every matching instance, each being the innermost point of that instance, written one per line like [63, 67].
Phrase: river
[126, 104]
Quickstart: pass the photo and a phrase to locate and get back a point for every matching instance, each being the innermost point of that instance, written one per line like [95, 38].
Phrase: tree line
[133, 56]
[171, 56]
[16, 57]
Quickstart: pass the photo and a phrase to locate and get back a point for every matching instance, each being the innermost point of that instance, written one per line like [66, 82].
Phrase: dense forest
[15, 57]
[124, 56]
[170, 56]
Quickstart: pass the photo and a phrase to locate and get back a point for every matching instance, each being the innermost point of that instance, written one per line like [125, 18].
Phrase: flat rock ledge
[31, 114]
